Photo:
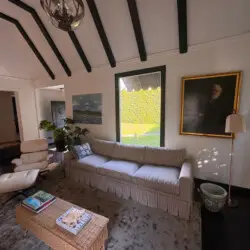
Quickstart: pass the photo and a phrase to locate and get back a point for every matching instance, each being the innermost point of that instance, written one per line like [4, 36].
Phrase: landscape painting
[87, 108]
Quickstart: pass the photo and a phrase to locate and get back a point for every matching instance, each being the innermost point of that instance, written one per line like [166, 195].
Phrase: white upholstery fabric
[146, 196]
[34, 146]
[164, 156]
[119, 169]
[103, 147]
[165, 181]
[161, 178]
[91, 162]
[129, 152]
[29, 158]
[17, 181]
[37, 165]
[17, 162]
[186, 182]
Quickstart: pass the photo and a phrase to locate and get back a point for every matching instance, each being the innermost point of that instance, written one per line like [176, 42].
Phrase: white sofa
[153, 176]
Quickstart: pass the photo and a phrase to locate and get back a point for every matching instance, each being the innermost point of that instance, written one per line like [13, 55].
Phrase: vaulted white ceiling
[207, 21]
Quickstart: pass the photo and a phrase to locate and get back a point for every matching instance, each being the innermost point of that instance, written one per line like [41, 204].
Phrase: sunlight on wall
[209, 159]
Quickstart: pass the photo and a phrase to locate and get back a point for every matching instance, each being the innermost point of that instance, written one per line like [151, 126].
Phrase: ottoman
[12, 182]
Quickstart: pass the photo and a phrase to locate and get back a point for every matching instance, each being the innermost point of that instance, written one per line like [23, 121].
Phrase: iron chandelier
[64, 14]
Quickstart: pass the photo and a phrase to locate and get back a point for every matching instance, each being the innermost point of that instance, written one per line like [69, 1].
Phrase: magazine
[74, 220]
[41, 208]
[38, 201]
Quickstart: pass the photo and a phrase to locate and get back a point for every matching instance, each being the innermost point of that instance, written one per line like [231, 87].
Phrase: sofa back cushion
[34, 157]
[102, 147]
[164, 156]
[129, 152]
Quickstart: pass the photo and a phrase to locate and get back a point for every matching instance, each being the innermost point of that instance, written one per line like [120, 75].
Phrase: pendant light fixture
[64, 14]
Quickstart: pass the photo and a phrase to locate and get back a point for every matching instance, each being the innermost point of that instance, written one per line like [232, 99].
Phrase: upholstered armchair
[34, 156]
[34, 160]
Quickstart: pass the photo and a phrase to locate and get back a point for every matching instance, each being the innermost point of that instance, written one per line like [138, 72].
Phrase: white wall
[44, 98]
[222, 56]
[7, 119]
[26, 105]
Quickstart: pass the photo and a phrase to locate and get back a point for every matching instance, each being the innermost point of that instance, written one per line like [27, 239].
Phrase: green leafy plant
[64, 137]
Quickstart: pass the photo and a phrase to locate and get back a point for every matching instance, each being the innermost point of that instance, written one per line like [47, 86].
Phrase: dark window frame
[162, 70]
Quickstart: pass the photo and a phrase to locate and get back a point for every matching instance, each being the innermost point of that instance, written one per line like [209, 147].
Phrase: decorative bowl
[214, 196]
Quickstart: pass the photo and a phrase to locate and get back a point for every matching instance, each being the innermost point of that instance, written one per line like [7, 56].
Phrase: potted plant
[67, 136]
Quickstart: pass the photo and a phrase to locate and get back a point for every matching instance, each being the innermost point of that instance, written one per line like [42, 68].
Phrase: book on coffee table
[38, 201]
[73, 220]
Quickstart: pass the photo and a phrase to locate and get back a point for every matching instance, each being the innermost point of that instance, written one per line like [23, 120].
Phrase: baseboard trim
[237, 191]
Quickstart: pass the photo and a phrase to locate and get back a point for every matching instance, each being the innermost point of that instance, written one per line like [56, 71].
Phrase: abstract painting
[87, 108]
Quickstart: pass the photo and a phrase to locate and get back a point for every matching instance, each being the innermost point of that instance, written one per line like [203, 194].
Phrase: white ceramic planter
[214, 196]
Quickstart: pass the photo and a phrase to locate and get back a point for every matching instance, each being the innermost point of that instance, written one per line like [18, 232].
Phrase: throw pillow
[81, 151]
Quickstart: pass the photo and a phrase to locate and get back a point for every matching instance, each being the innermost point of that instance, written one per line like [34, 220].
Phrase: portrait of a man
[207, 101]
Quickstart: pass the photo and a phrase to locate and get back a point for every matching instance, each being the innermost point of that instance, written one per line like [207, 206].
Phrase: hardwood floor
[227, 230]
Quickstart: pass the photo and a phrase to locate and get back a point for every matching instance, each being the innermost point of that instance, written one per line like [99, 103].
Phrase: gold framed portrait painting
[206, 101]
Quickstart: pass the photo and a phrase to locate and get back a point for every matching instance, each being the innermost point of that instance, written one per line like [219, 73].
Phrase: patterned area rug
[132, 226]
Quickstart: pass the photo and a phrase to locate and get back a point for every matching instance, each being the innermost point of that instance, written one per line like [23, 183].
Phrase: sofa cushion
[34, 145]
[119, 169]
[103, 147]
[29, 158]
[129, 152]
[161, 178]
[91, 162]
[164, 156]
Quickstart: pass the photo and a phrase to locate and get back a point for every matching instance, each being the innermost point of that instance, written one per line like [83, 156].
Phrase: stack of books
[74, 220]
[38, 201]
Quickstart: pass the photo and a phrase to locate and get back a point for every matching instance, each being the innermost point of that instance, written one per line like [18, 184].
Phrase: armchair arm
[17, 162]
[49, 156]
[186, 182]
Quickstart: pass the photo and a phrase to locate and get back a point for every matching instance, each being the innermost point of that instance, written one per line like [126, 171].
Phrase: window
[140, 106]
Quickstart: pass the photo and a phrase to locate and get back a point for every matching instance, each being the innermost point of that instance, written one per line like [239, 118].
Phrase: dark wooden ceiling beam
[44, 31]
[101, 32]
[79, 49]
[137, 29]
[29, 41]
[182, 25]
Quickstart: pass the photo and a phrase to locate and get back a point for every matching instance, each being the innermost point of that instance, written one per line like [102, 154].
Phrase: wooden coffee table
[43, 225]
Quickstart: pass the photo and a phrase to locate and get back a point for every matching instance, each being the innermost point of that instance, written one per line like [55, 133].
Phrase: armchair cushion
[161, 178]
[37, 165]
[34, 146]
[17, 162]
[17, 181]
[29, 158]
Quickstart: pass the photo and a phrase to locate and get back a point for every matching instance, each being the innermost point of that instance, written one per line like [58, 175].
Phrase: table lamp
[234, 124]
